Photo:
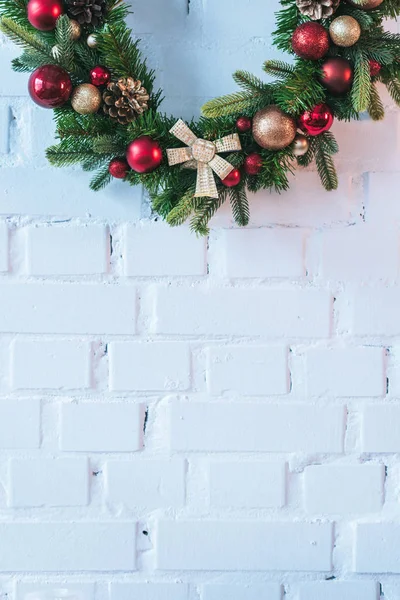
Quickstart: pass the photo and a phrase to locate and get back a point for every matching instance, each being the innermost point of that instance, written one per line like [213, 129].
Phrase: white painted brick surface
[346, 372]
[101, 427]
[50, 365]
[344, 489]
[58, 250]
[152, 366]
[248, 370]
[48, 482]
[265, 482]
[243, 545]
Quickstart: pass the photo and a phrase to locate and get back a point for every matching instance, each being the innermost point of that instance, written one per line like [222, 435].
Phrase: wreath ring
[86, 66]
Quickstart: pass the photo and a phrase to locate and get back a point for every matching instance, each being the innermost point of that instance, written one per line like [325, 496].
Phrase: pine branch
[182, 211]
[64, 43]
[240, 205]
[393, 86]
[23, 36]
[205, 212]
[375, 109]
[361, 90]
[278, 68]
[325, 165]
[249, 82]
[101, 179]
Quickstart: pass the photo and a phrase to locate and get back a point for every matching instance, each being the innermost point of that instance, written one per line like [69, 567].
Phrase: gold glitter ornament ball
[300, 145]
[345, 31]
[76, 30]
[86, 99]
[273, 129]
[365, 4]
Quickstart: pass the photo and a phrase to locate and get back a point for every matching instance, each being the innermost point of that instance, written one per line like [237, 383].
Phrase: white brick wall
[186, 419]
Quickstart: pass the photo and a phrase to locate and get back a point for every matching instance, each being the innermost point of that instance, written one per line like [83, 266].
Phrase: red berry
[233, 178]
[243, 124]
[100, 76]
[374, 68]
[118, 168]
[253, 164]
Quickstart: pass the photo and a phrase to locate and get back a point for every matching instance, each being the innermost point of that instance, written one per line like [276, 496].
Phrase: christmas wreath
[85, 65]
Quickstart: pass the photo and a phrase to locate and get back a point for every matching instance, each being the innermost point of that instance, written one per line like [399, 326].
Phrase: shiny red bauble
[310, 41]
[43, 14]
[233, 179]
[50, 86]
[118, 168]
[374, 68]
[144, 154]
[337, 75]
[317, 120]
[253, 164]
[100, 76]
[243, 124]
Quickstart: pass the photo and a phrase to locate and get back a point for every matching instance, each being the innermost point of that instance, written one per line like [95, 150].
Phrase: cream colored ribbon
[203, 155]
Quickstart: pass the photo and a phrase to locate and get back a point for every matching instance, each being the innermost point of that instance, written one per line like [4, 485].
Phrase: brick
[251, 591]
[376, 548]
[231, 311]
[146, 483]
[67, 308]
[375, 312]
[50, 365]
[182, 253]
[247, 252]
[244, 546]
[250, 370]
[380, 432]
[247, 484]
[148, 591]
[391, 591]
[346, 372]
[3, 246]
[149, 366]
[381, 205]
[339, 590]
[344, 489]
[5, 119]
[80, 590]
[376, 258]
[255, 427]
[102, 427]
[19, 424]
[48, 482]
[81, 250]
[64, 547]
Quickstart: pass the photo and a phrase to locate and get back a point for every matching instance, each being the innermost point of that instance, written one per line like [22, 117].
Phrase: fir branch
[207, 209]
[25, 37]
[101, 179]
[361, 90]
[249, 82]
[239, 102]
[64, 43]
[325, 165]
[240, 205]
[182, 211]
[393, 86]
[278, 68]
[375, 109]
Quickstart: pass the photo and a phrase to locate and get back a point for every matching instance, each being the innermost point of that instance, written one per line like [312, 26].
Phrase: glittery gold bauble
[91, 41]
[345, 31]
[273, 129]
[300, 145]
[76, 30]
[365, 4]
[86, 99]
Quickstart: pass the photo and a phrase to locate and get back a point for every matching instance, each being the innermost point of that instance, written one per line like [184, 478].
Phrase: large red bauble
[243, 124]
[317, 120]
[144, 154]
[233, 178]
[253, 164]
[50, 86]
[118, 168]
[43, 14]
[100, 76]
[310, 41]
[337, 75]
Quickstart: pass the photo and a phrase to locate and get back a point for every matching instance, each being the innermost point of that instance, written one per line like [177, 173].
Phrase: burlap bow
[203, 155]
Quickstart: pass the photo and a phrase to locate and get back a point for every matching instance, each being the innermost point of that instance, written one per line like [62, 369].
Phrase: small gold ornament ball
[76, 30]
[300, 145]
[273, 129]
[86, 99]
[365, 4]
[91, 41]
[345, 31]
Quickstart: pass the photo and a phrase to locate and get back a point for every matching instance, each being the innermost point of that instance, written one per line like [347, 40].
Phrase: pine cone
[317, 9]
[87, 12]
[125, 99]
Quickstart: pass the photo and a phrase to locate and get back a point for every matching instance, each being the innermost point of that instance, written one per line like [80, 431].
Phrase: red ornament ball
[144, 154]
[253, 164]
[233, 179]
[118, 168]
[317, 120]
[100, 76]
[243, 124]
[43, 14]
[374, 68]
[310, 41]
[50, 86]
[337, 75]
